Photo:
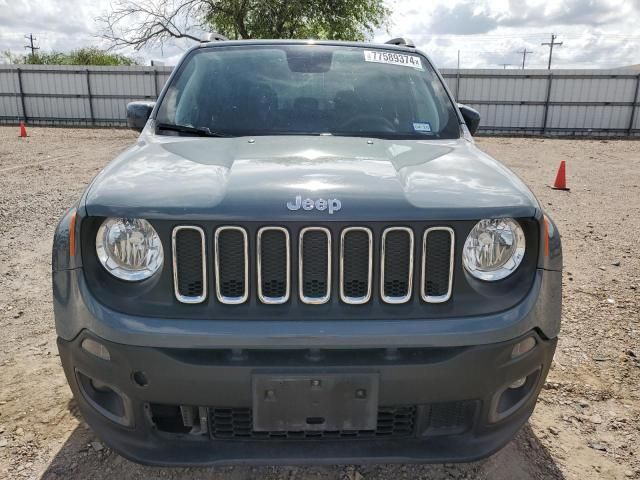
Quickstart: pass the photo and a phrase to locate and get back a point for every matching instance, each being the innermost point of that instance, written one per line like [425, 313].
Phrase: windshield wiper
[200, 131]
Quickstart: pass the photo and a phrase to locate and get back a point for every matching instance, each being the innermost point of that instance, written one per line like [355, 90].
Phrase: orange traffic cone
[561, 178]
[23, 130]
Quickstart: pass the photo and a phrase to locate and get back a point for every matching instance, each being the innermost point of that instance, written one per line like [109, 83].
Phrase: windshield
[308, 90]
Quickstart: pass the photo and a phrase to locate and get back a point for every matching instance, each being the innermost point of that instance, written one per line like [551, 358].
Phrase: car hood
[253, 179]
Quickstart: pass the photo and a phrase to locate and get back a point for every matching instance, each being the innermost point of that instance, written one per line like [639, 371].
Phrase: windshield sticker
[422, 127]
[393, 58]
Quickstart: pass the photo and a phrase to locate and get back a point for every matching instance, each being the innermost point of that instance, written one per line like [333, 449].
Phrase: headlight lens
[129, 248]
[494, 249]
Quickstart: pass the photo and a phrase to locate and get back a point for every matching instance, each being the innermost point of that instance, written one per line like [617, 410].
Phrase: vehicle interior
[271, 90]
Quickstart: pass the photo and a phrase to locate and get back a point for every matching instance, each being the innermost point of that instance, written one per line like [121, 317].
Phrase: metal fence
[518, 102]
[556, 102]
[72, 95]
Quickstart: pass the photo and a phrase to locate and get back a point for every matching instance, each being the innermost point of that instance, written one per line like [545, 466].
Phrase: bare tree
[138, 23]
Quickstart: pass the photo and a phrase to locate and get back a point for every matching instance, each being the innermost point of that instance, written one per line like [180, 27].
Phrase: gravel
[586, 424]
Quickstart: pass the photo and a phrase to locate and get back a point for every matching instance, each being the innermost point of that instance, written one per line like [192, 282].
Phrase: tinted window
[309, 89]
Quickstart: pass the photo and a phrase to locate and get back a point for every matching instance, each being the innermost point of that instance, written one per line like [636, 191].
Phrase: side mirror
[471, 118]
[138, 113]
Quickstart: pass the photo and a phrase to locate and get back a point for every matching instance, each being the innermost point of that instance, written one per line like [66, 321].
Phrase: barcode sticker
[393, 58]
[422, 127]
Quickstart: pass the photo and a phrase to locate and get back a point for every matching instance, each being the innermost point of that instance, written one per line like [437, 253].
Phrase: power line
[524, 55]
[551, 44]
[31, 45]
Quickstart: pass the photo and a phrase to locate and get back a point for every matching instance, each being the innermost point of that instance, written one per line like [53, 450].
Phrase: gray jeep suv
[304, 258]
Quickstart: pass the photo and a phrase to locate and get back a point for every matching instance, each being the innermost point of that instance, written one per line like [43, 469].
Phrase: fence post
[155, 81]
[24, 110]
[93, 121]
[546, 104]
[634, 107]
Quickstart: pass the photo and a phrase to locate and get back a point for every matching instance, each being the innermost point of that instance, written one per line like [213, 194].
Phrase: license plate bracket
[315, 402]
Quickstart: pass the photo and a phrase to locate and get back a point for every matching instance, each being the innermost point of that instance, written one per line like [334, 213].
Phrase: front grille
[356, 265]
[437, 266]
[189, 264]
[315, 265]
[368, 261]
[232, 265]
[237, 423]
[397, 265]
[274, 265]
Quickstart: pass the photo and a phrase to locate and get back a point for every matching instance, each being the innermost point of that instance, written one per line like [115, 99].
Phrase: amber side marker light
[96, 349]
[72, 234]
[546, 236]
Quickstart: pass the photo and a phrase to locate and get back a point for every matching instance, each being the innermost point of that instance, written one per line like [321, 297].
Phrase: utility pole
[550, 45]
[505, 65]
[524, 55]
[31, 46]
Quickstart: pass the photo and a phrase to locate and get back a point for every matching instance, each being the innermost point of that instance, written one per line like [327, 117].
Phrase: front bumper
[456, 394]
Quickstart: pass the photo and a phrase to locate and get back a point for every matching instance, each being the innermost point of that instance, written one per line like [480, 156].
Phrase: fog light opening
[96, 348]
[523, 347]
[106, 399]
[514, 396]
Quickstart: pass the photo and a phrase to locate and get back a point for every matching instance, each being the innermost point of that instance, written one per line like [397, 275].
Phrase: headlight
[494, 249]
[129, 248]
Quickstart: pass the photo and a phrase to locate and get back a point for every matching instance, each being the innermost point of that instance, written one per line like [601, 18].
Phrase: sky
[487, 33]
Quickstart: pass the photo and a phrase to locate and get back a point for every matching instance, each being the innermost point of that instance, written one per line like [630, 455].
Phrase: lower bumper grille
[406, 421]
[237, 424]
[449, 418]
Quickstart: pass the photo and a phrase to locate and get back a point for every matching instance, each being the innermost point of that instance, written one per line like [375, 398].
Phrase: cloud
[488, 33]
[462, 19]
[67, 25]
[567, 12]
[470, 17]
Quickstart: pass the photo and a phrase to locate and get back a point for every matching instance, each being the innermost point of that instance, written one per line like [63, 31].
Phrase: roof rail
[407, 42]
[212, 37]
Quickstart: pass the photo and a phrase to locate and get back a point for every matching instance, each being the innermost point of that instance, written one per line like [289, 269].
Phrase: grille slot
[356, 265]
[396, 271]
[314, 259]
[232, 265]
[237, 424]
[274, 265]
[438, 246]
[189, 264]
[450, 418]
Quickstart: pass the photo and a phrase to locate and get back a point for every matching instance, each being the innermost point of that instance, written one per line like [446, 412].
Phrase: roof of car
[337, 43]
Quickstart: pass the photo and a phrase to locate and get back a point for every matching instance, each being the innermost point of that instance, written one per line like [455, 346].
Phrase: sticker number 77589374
[393, 58]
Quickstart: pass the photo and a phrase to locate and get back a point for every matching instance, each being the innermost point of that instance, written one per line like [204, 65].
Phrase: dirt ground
[587, 422]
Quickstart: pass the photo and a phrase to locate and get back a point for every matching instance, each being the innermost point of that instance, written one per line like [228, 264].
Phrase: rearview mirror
[138, 113]
[471, 118]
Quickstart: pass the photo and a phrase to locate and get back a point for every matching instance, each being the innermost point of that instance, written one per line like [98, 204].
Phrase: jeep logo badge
[331, 204]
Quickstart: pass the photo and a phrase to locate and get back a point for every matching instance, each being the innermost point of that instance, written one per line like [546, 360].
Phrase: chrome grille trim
[261, 296]
[176, 291]
[425, 272]
[245, 296]
[303, 298]
[367, 297]
[407, 297]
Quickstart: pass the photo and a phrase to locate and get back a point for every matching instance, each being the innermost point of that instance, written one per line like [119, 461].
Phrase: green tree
[137, 23]
[82, 56]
